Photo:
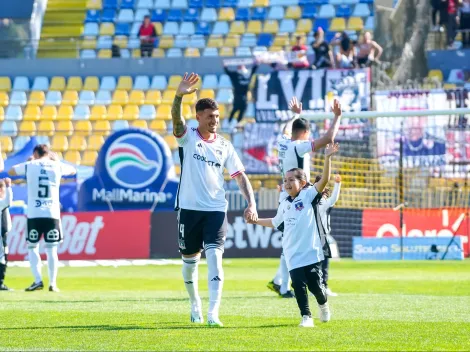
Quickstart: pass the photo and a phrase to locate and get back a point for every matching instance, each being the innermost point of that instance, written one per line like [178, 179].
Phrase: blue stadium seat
[276, 13]
[156, 42]
[18, 98]
[135, 29]
[159, 82]
[104, 42]
[158, 16]
[110, 4]
[108, 83]
[230, 3]
[369, 25]
[175, 15]
[86, 97]
[243, 14]
[265, 39]
[43, 140]
[103, 97]
[120, 125]
[310, 11]
[191, 15]
[108, 15]
[162, 4]
[327, 11]
[180, 4]
[21, 83]
[287, 26]
[203, 28]
[13, 113]
[87, 54]
[321, 22]
[336, 2]
[53, 97]
[343, 11]
[305, 2]
[197, 41]
[195, 4]
[133, 43]
[351, 2]
[361, 10]
[81, 112]
[187, 28]
[210, 81]
[140, 14]
[125, 15]
[225, 96]
[248, 39]
[92, 16]
[243, 51]
[147, 112]
[215, 4]
[329, 35]
[224, 81]
[181, 41]
[174, 52]
[91, 30]
[41, 83]
[259, 14]
[127, 4]
[245, 3]
[9, 128]
[141, 82]
[221, 27]
[145, 4]
[20, 142]
[320, 2]
[366, 1]
[171, 28]
[208, 14]
[123, 29]
[210, 52]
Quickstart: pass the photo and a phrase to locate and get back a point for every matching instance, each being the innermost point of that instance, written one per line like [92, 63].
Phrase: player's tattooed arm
[330, 135]
[185, 87]
[251, 215]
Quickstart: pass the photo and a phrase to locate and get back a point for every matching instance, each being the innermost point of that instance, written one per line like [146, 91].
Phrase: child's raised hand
[337, 178]
[331, 149]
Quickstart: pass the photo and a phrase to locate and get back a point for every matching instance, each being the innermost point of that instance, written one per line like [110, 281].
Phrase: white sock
[285, 277]
[52, 264]
[35, 263]
[215, 279]
[190, 277]
[278, 278]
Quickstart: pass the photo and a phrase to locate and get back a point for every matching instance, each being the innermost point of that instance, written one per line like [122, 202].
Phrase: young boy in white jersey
[302, 243]
[6, 197]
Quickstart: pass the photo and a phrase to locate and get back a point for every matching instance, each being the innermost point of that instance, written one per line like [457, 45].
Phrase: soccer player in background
[43, 174]
[325, 206]
[294, 147]
[303, 242]
[200, 200]
[6, 197]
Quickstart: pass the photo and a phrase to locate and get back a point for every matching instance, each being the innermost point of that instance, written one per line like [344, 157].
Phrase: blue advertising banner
[414, 248]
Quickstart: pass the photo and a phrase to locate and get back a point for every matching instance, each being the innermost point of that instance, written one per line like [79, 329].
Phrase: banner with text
[91, 235]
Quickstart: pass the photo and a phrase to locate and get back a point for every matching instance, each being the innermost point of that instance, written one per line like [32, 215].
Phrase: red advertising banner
[92, 235]
[417, 223]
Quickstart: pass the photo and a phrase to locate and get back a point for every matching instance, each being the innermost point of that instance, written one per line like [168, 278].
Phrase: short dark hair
[300, 125]
[146, 16]
[326, 190]
[206, 103]
[41, 150]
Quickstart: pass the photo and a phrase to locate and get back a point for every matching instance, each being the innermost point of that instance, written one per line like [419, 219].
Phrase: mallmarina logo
[128, 195]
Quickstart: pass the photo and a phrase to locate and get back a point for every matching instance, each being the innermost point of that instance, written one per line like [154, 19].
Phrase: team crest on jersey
[299, 206]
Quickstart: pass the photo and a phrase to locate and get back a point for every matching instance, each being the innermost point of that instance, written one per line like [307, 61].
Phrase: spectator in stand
[115, 51]
[438, 7]
[323, 53]
[465, 23]
[452, 20]
[345, 57]
[147, 36]
[301, 62]
[368, 51]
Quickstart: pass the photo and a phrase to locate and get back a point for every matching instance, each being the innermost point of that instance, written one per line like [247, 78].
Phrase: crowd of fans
[454, 16]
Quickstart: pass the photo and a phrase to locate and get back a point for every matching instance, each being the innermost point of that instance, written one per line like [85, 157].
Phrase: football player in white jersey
[43, 174]
[303, 243]
[294, 148]
[200, 201]
[6, 197]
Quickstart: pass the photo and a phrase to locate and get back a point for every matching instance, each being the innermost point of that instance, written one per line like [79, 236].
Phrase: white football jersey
[43, 182]
[326, 205]
[5, 202]
[202, 171]
[300, 223]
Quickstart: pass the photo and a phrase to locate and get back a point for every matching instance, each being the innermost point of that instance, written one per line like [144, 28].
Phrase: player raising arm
[200, 200]
[302, 243]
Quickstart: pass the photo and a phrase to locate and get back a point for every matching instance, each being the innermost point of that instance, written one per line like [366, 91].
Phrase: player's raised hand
[186, 86]
[331, 149]
[53, 156]
[7, 181]
[336, 108]
[337, 178]
[295, 106]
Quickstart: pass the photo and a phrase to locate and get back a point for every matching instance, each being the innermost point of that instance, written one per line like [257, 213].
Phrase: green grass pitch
[381, 306]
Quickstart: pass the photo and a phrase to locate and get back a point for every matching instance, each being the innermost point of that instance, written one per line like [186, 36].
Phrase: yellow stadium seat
[105, 54]
[171, 141]
[192, 52]
[293, 12]
[232, 41]
[98, 112]
[65, 112]
[237, 27]
[222, 111]
[64, 127]
[139, 124]
[120, 97]
[226, 14]
[304, 26]
[6, 143]
[157, 52]
[271, 26]
[5, 84]
[158, 28]
[95, 142]
[89, 158]
[49, 113]
[449, 86]
[57, 83]
[120, 41]
[2, 113]
[27, 128]
[73, 157]
[174, 81]
[215, 41]
[166, 42]
[91, 83]
[74, 83]
[177, 169]
[136, 53]
[274, 49]
[115, 112]
[187, 111]
[70, 97]
[107, 28]
[338, 25]
[124, 82]
[35, 98]
[437, 74]
[169, 96]
[131, 112]
[153, 97]
[261, 3]
[83, 128]
[163, 112]
[88, 43]
[77, 143]
[102, 127]
[158, 125]
[60, 144]
[137, 97]
[355, 24]
[282, 39]
[4, 98]
[207, 93]
[94, 4]
[226, 52]
[32, 113]
[254, 27]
